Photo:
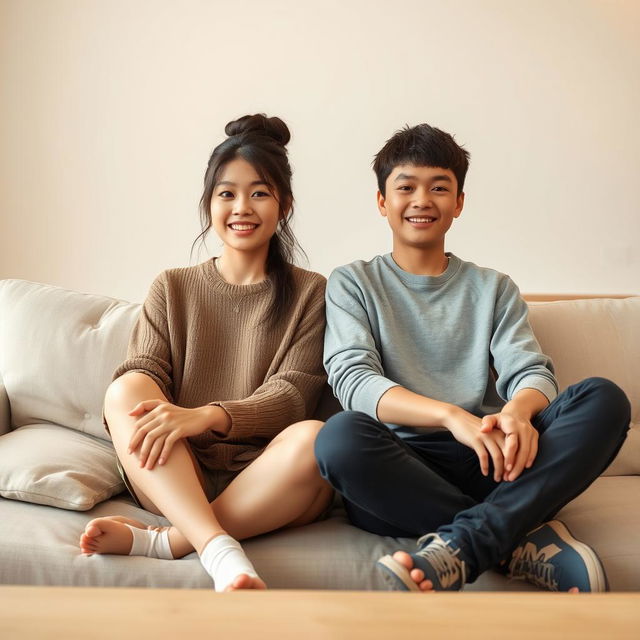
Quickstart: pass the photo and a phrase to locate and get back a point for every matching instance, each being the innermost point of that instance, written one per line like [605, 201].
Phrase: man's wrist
[526, 403]
[449, 412]
[517, 411]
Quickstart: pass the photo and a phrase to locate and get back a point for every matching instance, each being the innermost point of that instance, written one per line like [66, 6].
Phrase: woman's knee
[126, 391]
[297, 445]
[131, 384]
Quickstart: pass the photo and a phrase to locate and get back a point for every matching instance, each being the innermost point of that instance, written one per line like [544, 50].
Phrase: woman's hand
[162, 424]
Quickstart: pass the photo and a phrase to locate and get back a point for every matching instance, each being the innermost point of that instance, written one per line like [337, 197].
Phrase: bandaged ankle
[224, 560]
[150, 543]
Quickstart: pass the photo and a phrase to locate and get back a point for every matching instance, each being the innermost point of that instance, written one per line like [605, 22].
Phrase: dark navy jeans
[431, 483]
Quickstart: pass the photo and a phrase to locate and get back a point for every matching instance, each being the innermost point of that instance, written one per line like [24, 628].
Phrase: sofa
[58, 350]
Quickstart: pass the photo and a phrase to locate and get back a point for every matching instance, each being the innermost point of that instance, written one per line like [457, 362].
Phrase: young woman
[225, 357]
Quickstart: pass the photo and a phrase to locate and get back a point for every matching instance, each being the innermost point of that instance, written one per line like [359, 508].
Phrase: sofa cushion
[39, 545]
[596, 338]
[51, 465]
[58, 352]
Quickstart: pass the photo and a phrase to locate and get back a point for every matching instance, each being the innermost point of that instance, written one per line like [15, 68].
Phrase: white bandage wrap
[150, 543]
[224, 560]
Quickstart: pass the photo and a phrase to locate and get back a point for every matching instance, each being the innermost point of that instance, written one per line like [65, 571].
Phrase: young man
[454, 429]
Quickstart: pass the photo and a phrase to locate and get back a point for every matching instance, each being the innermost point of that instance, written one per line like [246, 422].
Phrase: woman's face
[244, 209]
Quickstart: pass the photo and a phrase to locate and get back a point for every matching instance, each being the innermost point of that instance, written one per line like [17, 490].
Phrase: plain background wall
[109, 110]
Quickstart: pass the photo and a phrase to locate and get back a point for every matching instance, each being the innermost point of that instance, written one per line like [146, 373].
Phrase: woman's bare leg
[253, 503]
[173, 489]
[281, 488]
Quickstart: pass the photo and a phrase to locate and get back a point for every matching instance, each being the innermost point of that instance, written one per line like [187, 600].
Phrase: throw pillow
[52, 465]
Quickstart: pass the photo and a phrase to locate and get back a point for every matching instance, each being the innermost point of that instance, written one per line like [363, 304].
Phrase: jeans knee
[611, 396]
[339, 442]
[609, 403]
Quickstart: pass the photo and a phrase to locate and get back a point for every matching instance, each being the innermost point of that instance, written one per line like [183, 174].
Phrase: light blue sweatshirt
[439, 336]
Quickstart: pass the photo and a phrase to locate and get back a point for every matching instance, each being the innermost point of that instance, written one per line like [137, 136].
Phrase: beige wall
[109, 110]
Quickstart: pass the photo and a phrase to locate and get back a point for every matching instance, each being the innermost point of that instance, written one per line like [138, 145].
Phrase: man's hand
[468, 430]
[521, 440]
[162, 424]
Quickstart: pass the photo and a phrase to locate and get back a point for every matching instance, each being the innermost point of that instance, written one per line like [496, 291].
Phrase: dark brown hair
[421, 146]
[261, 141]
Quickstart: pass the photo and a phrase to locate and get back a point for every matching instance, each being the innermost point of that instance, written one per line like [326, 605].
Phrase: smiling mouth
[421, 219]
[242, 226]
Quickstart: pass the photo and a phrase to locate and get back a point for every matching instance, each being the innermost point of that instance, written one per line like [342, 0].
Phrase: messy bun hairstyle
[261, 125]
[261, 142]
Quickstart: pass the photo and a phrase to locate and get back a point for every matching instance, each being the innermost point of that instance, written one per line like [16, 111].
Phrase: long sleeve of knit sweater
[205, 341]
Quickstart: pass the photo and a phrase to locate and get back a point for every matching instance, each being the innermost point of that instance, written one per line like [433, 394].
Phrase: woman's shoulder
[175, 275]
[170, 283]
[308, 280]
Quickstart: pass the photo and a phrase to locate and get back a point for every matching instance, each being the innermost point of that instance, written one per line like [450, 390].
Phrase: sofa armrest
[5, 411]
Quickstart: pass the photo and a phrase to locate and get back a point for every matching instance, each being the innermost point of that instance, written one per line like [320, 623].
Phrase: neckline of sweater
[218, 282]
[424, 282]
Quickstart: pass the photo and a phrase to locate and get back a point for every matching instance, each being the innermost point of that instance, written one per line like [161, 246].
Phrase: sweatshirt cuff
[372, 394]
[544, 386]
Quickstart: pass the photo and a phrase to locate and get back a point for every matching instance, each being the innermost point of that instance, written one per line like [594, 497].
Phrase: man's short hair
[421, 146]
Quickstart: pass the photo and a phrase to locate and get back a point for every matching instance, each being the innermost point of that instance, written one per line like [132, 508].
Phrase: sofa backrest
[597, 337]
[59, 349]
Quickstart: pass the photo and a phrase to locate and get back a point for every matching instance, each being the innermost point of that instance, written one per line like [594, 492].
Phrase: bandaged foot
[153, 543]
[124, 536]
[224, 560]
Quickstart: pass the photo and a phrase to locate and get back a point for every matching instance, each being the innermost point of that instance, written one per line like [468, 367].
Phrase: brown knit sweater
[202, 341]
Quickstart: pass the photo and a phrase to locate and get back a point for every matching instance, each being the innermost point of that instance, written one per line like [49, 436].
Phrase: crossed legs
[251, 505]
[391, 488]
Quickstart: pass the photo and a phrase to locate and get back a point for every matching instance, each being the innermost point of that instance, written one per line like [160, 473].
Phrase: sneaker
[551, 558]
[438, 558]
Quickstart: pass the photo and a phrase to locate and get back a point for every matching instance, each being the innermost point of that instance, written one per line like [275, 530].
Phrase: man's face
[420, 205]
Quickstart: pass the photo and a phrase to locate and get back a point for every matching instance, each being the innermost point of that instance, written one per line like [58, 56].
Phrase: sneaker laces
[441, 556]
[532, 565]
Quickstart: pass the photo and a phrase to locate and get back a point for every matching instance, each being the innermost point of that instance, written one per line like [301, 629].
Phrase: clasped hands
[508, 439]
[161, 425]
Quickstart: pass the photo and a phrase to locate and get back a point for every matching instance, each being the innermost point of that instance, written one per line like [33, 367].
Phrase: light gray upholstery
[5, 412]
[58, 349]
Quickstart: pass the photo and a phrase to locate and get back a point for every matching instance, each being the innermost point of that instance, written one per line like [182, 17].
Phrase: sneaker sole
[396, 574]
[595, 570]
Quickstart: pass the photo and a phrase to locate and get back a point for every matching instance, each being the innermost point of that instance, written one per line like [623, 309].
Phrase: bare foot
[109, 535]
[417, 575]
[243, 581]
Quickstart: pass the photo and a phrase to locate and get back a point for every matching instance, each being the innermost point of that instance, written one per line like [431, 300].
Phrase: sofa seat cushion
[48, 464]
[606, 516]
[330, 554]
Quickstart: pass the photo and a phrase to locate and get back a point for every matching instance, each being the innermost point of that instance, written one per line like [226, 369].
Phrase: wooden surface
[70, 613]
